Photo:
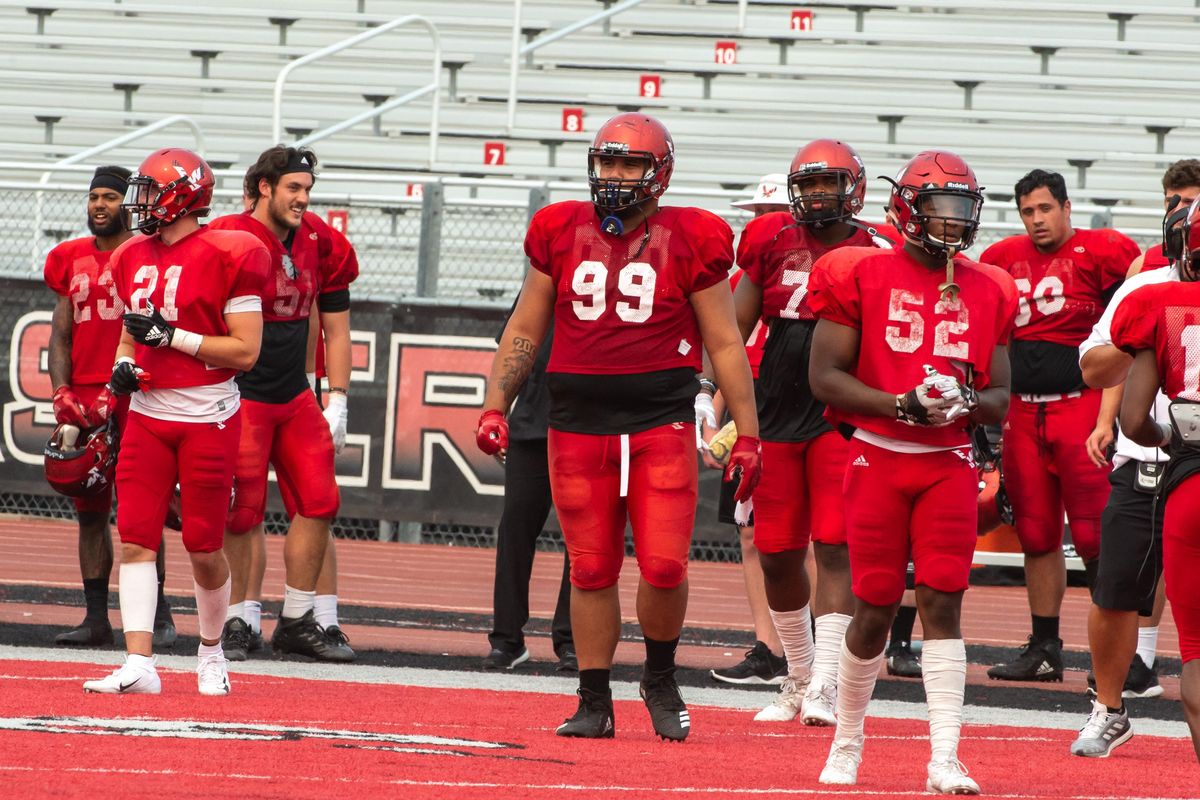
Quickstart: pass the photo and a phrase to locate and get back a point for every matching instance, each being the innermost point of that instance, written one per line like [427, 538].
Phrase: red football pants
[87, 392]
[909, 506]
[1181, 563]
[153, 453]
[660, 502]
[294, 438]
[800, 494]
[1047, 470]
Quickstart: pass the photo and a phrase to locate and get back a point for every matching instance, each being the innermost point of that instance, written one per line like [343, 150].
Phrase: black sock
[1044, 628]
[595, 681]
[1120, 710]
[95, 597]
[902, 625]
[660, 656]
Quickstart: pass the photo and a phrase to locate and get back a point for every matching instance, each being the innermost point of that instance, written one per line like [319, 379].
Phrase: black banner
[418, 379]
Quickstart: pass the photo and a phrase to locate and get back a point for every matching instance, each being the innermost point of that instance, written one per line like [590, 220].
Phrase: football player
[84, 332]
[193, 320]
[1181, 186]
[635, 290]
[801, 495]
[910, 349]
[1065, 276]
[1159, 325]
[283, 425]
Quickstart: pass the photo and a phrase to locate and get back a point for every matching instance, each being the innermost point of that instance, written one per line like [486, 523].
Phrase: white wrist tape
[186, 341]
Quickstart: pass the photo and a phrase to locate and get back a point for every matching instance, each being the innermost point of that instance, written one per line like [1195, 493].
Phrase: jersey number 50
[635, 281]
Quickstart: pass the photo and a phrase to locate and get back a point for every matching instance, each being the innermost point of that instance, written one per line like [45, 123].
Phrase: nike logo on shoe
[124, 687]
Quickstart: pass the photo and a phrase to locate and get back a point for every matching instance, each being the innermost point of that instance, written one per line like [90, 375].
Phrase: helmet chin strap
[949, 289]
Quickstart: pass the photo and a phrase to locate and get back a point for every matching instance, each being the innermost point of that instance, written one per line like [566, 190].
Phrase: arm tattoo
[517, 366]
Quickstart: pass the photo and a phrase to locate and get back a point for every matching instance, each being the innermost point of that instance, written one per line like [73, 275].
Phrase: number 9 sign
[650, 85]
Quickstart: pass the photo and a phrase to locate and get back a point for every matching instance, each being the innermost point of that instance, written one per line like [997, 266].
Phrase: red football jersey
[1165, 318]
[622, 312]
[779, 254]
[1062, 293]
[1153, 258]
[339, 261]
[77, 270]
[905, 324]
[758, 336]
[190, 283]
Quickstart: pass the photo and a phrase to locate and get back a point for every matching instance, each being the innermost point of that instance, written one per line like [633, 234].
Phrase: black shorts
[1130, 546]
[726, 504]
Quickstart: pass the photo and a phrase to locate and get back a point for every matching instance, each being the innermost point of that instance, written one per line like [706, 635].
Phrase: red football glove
[491, 434]
[102, 408]
[745, 459]
[68, 410]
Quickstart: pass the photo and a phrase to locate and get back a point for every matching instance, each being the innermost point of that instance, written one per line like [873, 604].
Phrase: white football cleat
[820, 702]
[136, 676]
[212, 675]
[786, 704]
[950, 777]
[841, 767]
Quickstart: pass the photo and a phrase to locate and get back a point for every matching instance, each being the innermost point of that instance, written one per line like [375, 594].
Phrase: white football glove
[336, 414]
[705, 414]
[312, 381]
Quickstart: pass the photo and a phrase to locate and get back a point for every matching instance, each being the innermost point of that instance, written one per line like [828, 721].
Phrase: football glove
[68, 409]
[102, 407]
[127, 378]
[149, 329]
[745, 463]
[705, 415]
[491, 434]
[336, 414]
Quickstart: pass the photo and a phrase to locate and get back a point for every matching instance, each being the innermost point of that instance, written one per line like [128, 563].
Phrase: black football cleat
[165, 634]
[1039, 661]
[302, 636]
[89, 633]
[668, 712]
[568, 662]
[593, 719]
[902, 661]
[338, 637]
[235, 639]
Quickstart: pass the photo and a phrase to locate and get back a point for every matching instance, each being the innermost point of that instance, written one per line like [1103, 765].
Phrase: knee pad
[663, 573]
[242, 519]
[592, 572]
[879, 588]
[944, 574]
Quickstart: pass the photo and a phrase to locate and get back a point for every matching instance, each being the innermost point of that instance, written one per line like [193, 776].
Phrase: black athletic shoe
[593, 719]
[1142, 681]
[304, 637]
[235, 639]
[256, 641]
[667, 709]
[164, 625]
[504, 659]
[760, 666]
[902, 661]
[338, 637]
[89, 633]
[567, 660]
[1038, 661]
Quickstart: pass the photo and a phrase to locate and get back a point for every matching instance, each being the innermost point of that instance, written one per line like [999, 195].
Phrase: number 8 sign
[572, 120]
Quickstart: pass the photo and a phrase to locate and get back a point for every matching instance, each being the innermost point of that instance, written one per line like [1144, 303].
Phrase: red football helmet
[827, 157]
[81, 463]
[169, 184]
[631, 135]
[1189, 238]
[938, 187]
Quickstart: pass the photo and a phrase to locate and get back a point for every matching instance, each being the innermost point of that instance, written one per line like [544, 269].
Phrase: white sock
[831, 632]
[325, 610]
[236, 611]
[856, 684]
[137, 588]
[211, 605]
[296, 603]
[210, 650]
[1147, 644]
[253, 615]
[795, 633]
[944, 671]
[134, 660]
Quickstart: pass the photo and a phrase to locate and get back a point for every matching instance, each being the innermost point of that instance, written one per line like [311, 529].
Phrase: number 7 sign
[493, 154]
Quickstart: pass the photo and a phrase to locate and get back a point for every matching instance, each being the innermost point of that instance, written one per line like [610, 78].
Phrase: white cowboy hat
[772, 191]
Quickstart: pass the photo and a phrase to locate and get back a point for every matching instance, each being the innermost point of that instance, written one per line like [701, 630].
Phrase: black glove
[149, 329]
[127, 378]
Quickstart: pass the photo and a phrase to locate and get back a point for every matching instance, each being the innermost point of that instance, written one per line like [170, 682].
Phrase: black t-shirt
[1044, 367]
[787, 410]
[611, 404]
[278, 375]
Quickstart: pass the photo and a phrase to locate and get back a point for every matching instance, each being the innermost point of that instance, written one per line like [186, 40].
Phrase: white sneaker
[950, 777]
[786, 704]
[212, 675]
[136, 676]
[820, 703]
[841, 767]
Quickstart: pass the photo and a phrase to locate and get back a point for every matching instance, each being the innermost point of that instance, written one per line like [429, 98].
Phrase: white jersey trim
[216, 402]
[899, 445]
[240, 305]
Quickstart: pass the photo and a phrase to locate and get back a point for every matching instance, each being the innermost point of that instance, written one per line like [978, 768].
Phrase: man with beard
[283, 424]
[84, 332]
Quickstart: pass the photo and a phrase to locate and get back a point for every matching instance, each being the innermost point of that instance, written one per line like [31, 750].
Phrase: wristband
[124, 360]
[186, 341]
[707, 385]
[337, 390]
